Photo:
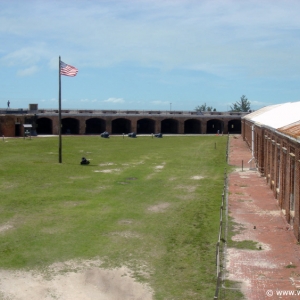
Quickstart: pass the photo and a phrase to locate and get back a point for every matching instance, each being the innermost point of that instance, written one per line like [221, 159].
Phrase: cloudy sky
[150, 54]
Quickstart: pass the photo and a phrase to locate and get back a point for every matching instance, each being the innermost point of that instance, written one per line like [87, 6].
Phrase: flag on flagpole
[67, 70]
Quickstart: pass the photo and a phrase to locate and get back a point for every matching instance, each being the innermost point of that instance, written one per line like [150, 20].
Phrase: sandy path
[72, 281]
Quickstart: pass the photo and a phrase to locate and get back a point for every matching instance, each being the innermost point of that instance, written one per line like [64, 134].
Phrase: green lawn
[137, 204]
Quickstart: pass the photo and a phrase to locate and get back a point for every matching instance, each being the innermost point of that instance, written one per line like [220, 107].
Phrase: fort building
[46, 121]
[273, 135]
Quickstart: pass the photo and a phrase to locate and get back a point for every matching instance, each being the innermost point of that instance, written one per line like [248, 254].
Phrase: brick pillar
[277, 169]
[260, 153]
[225, 127]
[297, 195]
[108, 126]
[82, 126]
[180, 127]
[288, 188]
[203, 126]
[55, 125]
[266, 157]
[133, 125]
[283, 165]
[272, 165]
[157, 126]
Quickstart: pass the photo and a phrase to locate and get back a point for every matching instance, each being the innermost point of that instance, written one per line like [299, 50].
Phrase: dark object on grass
[158, 135]
[104, 134]
[84, 161]
[132, 135]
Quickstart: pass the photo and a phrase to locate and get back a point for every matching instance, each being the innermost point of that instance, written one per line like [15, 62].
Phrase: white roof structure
[276, 116]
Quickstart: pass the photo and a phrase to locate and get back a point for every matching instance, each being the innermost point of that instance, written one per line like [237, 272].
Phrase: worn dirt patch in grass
[98, 189]
[106, 164]
[73, 281]
[8, 185]
[125, 234]
[11, 224]
[108, 171]
[185, 197]
[197, 177]
[161, 207]
[172, 178]
[159, 167]
[5, 227]
[187, 188]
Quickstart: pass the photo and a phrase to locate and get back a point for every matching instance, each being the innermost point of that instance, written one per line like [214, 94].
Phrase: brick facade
[118, 122]
[277, 158]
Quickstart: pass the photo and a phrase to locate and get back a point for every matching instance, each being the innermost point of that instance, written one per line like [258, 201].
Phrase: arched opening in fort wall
[120, 126]
[70, 126]
[146, 126]
[192, 126]
[95, 126]
[214, 126]
[235, 126]
[169, 126]
[44, 126]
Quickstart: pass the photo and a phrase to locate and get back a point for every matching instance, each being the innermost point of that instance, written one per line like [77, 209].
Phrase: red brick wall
[7, 122]
[278, 159]
[7, 126]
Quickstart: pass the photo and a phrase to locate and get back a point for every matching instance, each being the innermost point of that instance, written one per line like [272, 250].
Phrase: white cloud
[28, 71]
[186, 48]
[114, 100]
[159, 34]
[25, 56]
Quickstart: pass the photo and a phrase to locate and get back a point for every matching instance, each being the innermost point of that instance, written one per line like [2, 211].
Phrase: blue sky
[150, 54]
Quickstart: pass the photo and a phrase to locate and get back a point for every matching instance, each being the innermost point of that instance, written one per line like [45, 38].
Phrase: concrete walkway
[274, 271]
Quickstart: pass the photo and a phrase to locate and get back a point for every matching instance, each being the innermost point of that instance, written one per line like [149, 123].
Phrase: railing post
[218, 286]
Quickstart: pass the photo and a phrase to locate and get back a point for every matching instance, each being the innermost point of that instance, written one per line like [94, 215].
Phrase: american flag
[67, 70]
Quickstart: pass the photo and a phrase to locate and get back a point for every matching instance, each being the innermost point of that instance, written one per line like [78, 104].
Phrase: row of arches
[143, 126]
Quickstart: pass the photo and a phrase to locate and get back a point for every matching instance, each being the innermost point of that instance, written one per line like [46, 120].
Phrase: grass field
[146, 203]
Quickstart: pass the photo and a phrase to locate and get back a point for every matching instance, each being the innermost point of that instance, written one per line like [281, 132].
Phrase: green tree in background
[204, 107]
[241, 105]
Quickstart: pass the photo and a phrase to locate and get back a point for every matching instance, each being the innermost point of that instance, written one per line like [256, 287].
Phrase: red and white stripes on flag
[67, 70]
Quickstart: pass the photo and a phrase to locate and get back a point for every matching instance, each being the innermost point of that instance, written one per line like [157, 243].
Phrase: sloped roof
[276, 116]
[260, 111]
[291, 130]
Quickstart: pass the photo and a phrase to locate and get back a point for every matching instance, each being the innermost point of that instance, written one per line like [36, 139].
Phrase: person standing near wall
[8, 103]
